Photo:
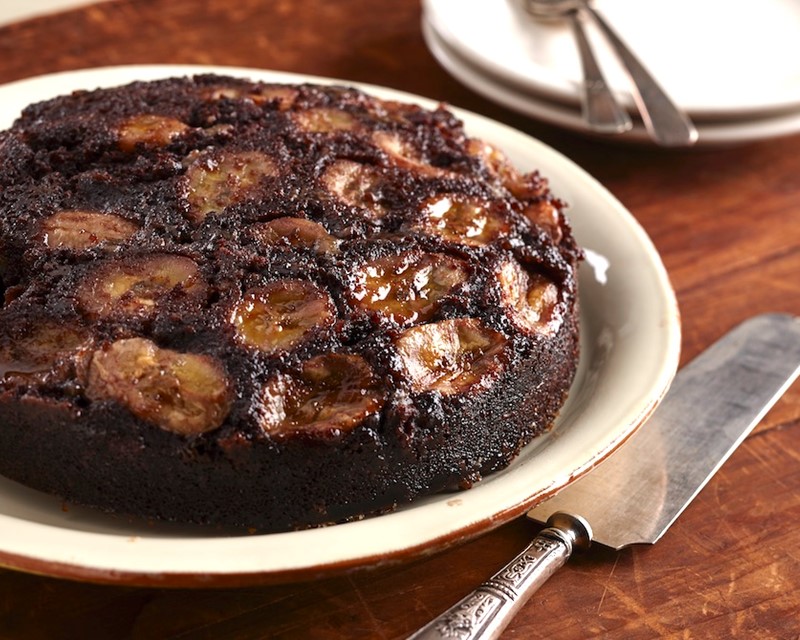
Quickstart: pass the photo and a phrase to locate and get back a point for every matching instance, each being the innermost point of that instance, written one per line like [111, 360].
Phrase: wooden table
[727, 224]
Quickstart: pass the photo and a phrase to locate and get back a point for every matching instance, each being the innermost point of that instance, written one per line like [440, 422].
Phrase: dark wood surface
[727, 223]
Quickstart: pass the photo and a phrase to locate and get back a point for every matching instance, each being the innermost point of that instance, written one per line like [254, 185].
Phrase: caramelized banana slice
[522, 186]
[467, 220]
[530, 298]
[544, 214]
[215, 183]
[79, 230]
[355, 185]
[149, 130]
[284, 97]
[39, 348]
[332, 394]
[451, 356]
[277, 316]
[407, 287]
[541, 212]
[325, 120]
[294, 232]
[404, 154]
[185, 393]
[393, 111]
[135, 285]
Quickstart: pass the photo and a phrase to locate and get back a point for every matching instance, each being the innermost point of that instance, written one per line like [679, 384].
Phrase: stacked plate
[732, 65]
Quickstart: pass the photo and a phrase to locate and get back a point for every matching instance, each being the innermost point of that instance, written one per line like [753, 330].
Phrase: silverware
[633, 497]
[667, 124]
[599, 107]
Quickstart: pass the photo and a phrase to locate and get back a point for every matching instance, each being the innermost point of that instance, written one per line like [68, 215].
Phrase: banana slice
[79, 230]
[404, 154]
[451, 356]
[148, 130]
[521, 185]
[545, 214]
[135, 285]
[462, 219]
[278, 315]
[333, 393]
[407, 287]
[185, 393]
[214, 183]
[39, 348]
[527, 187]
[325, 120]
[296, 233]
[530, 298]
[394, 112]
[355, 184]
[284, 97]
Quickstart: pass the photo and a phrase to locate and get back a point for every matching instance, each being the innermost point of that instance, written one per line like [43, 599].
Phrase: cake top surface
[280, 260]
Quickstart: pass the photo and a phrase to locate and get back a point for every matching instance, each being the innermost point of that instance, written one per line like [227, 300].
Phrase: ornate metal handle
[487, 611]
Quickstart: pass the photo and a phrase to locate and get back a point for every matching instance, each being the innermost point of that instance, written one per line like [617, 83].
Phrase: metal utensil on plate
[600, 109]
[635, 495]
[666, 123]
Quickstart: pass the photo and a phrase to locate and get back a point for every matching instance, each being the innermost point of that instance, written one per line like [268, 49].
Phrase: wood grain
[727, 223]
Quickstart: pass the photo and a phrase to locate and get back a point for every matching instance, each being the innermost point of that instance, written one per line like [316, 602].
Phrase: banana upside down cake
[271, 306]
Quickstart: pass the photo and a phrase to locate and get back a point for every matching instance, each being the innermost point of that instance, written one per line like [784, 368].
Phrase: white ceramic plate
[630, 341]
[722, 132]
[716, 58]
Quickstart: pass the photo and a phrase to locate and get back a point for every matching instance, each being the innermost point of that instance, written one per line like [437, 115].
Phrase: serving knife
[634, 496]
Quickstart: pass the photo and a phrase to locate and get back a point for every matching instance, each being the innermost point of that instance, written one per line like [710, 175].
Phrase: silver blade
[713, 403]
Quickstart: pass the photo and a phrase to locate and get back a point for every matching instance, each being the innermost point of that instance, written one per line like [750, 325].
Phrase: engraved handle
[487, 611]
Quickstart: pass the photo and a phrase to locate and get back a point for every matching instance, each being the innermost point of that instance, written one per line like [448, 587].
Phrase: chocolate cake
[271, 306]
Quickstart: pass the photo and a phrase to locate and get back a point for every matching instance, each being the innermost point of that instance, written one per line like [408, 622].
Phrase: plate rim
[65, 565]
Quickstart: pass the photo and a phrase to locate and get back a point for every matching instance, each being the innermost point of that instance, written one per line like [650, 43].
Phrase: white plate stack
[732, 65]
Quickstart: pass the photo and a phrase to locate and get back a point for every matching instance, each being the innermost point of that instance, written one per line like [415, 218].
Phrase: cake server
[635, 495]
